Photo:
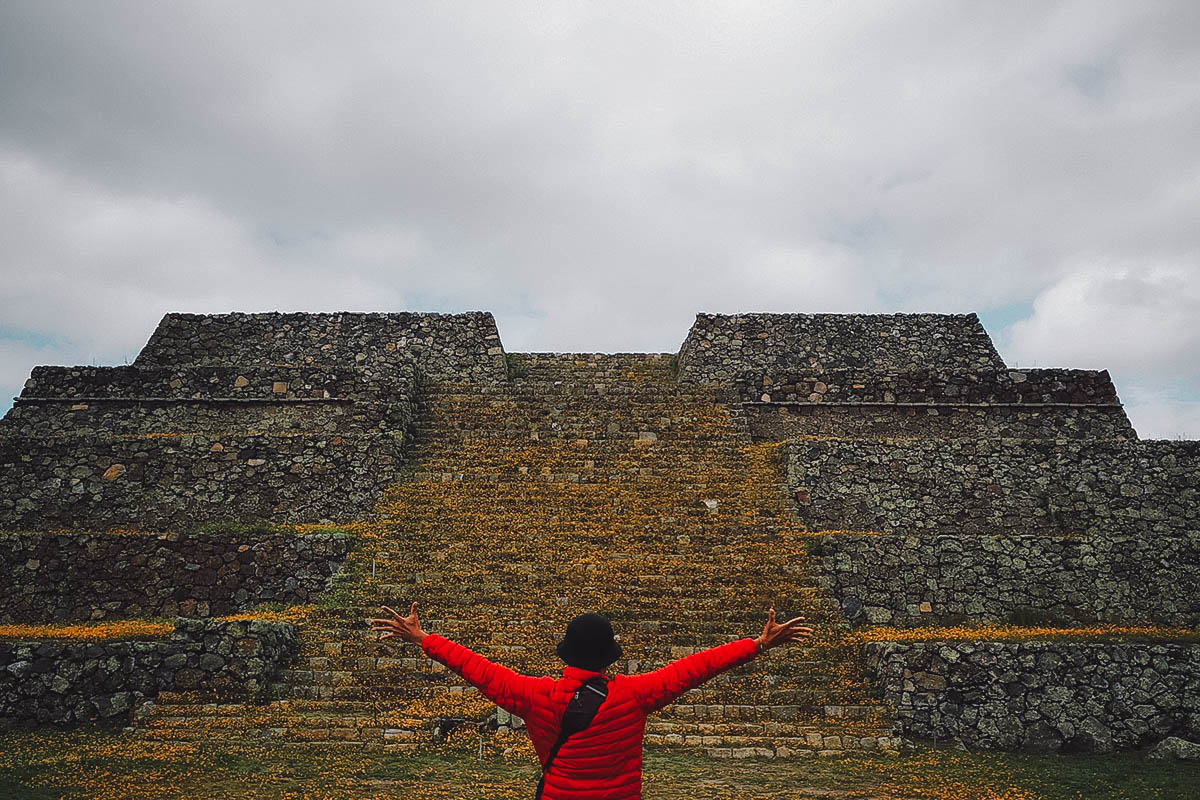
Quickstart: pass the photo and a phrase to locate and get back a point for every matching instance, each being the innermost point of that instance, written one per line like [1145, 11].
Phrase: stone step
[563, 392]
[201, 704]
[646, 658]
[349, 622]
[715, 720]
[713, 747]
[784, 721]
[721, 690]
[704, 473]
[810, 682]
[362, 640]
[499, 648]
[741, 741]
[706, 532]
[531, 440]
[410, 659]
[684, 711]
[593, 399]
[632, 609]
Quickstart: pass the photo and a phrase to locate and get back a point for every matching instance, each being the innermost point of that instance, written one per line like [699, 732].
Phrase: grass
[260, 527]
[117, 766]
[101, 631]
[138, 629]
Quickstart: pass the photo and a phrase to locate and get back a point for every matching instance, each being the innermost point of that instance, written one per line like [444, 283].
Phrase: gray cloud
[596, 174]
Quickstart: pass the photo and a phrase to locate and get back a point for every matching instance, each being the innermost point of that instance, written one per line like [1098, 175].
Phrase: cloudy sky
[595, 174]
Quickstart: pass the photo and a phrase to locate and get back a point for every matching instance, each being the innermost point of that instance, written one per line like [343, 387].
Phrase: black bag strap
[579, 714]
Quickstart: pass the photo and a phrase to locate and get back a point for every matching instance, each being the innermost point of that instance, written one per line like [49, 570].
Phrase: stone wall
[163, 446]
[925, 386]
[71, 682]
[443, 346]
[780, 421]
[248, 382]
[1013, 486]
[84, 576]
[722, 348]
[118, 417]
[126, 400]
[165, 481]
[910, 581]
[1041, 696]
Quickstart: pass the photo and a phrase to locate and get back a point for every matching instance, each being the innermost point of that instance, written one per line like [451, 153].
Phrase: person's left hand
[774, 634]
[398, 627]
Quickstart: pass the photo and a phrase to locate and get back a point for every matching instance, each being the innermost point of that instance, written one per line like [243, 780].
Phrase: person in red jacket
[604, 761]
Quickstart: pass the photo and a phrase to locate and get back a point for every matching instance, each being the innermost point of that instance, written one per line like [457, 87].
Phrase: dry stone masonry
[175, 480]
[733, 349]
[782, 421]
[1035, 387]
[69, 682]
[947, 579]
[1042, 696]
[444, 346]
[947, 487]
[996, 486]
[64, 577]
[588, 481]
[283, 417]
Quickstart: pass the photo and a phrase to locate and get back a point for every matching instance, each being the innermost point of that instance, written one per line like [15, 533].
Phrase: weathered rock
[721, 347]
[1040, 696]
[1174, 748]
[74, 682]
[87, 576]
[1111, 577]
[325, 394]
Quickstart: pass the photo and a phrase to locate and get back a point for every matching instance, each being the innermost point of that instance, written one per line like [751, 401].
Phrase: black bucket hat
[589, 643]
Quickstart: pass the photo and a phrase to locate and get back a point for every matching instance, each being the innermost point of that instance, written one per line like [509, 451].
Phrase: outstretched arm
[654, 690]
[501, 685]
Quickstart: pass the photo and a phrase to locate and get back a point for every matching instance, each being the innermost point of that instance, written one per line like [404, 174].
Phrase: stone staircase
[586, 483]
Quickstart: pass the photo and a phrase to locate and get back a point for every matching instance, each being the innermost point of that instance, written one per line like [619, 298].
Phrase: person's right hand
[398, 627]
[774, 635]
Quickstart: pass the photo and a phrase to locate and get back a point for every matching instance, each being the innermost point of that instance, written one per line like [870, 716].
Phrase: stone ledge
[1041, 696]
[720, 348]
[928, 387]
[198, 383]
[983, 486]
[64, 683]
[465, 345]
[1109, 578]
[86, 576]
[175, 480]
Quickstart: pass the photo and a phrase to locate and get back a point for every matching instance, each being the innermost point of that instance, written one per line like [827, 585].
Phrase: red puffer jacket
[603, 762]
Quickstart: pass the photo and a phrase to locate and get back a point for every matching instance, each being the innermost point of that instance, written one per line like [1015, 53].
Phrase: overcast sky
[596, 174]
